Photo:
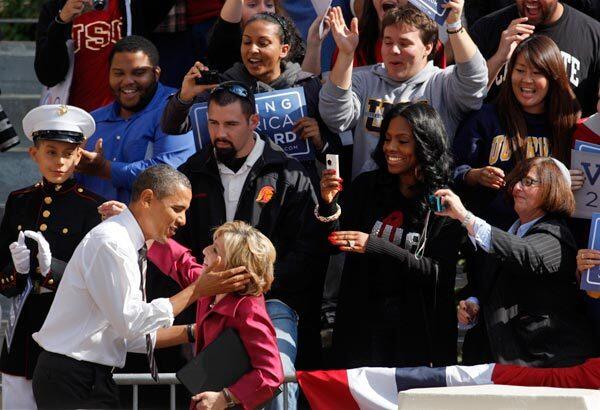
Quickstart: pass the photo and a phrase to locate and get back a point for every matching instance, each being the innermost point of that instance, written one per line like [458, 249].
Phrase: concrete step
[17, 171]
[19, 85]
[17, 74]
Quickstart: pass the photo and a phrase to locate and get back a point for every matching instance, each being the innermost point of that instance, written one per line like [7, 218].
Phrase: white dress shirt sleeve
[138, 345]
[482, 234]
[113, 281]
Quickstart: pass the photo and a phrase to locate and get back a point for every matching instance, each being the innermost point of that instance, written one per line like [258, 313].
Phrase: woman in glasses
[526, 305]
[396, 302]
[535, 114]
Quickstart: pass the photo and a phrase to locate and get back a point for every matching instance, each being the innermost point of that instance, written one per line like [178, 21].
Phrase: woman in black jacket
[527, 309]
[396, 302]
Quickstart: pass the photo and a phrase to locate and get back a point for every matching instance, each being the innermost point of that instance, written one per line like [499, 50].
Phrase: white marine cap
[58, 123]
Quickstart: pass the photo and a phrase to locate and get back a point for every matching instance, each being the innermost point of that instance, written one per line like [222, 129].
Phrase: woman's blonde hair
[247, 246]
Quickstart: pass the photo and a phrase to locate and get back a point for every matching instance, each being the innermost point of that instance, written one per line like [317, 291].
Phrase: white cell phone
[332, 161]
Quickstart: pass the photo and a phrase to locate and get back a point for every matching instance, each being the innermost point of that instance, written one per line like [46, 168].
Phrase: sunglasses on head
[235, 89]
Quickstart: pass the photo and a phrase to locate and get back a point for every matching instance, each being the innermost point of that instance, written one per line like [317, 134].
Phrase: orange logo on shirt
[265, 194]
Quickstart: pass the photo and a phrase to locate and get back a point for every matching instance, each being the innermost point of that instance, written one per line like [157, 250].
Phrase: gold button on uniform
[46, 214]
[43, 227]
[51, 282]
[48, 200]
[65, 231]
[79, 190]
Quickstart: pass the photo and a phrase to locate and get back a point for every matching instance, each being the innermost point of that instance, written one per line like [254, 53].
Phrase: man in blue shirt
[128, 138]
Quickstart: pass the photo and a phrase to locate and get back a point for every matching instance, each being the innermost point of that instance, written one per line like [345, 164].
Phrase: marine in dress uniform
[63, 213]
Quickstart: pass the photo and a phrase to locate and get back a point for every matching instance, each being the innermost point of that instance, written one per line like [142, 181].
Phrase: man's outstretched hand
[213, 283]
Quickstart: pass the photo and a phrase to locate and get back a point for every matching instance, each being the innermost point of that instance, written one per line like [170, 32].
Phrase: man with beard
[128, 138]
[577, 37]
[244, 176]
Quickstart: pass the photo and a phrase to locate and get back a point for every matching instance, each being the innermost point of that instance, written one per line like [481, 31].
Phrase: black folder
[219, 365]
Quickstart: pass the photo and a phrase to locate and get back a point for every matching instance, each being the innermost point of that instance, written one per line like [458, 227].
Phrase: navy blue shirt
[481, 141]
[134, 144]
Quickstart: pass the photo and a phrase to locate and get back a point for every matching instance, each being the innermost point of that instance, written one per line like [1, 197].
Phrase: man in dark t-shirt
[577, 37]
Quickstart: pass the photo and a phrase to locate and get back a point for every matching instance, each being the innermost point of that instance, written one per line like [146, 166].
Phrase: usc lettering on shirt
[391, 229]
[501, 150]
[96, 35]
[376, 109]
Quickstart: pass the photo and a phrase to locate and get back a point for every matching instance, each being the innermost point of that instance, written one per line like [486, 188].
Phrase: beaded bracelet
[330, 218]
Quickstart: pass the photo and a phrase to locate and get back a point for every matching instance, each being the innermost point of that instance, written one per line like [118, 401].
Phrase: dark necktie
[143, 263]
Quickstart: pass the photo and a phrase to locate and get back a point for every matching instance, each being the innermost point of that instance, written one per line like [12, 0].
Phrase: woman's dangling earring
[418, 174]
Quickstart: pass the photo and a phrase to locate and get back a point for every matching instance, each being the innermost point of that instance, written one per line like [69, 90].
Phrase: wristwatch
[228, 398]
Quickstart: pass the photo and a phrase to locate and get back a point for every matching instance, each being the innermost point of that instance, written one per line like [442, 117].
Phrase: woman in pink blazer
[234, 244]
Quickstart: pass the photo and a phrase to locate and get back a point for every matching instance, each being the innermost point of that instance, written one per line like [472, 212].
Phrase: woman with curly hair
[396, 303]
[269, 42]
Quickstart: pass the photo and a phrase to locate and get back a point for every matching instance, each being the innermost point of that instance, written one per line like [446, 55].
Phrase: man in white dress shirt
[100, 313]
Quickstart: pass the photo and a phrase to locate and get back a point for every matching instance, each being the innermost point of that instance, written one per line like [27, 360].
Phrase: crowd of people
[454, 147]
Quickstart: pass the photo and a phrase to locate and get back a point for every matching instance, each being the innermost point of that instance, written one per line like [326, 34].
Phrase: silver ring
[351, 243]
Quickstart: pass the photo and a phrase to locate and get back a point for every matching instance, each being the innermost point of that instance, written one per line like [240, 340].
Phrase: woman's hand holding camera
[452, 204]
[72, 9]
[331, 185]
[189, 88]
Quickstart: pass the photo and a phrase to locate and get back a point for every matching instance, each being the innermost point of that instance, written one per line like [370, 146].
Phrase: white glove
[44, 255]
[20, 254]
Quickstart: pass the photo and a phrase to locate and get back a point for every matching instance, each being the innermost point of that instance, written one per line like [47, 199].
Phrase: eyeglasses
[236, 89]
[528, 181]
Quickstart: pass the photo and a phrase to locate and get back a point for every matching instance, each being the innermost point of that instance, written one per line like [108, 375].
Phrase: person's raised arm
[346, 41]
[516, 32]
[53, 29]
[312, 58]
[232, 11]
[174, 119]
[463, 46]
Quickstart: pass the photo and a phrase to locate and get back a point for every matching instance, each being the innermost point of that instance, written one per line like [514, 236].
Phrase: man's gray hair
[162, 179]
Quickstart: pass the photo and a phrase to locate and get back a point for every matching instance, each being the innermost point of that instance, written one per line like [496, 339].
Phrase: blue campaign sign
[586, 146]
[590, 280]
[278, 111]
[433, 8]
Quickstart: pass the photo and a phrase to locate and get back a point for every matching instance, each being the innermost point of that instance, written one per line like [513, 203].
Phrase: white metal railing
[142, 379]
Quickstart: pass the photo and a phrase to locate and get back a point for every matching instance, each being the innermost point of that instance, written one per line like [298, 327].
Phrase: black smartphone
[208, 77]
[435, 203]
